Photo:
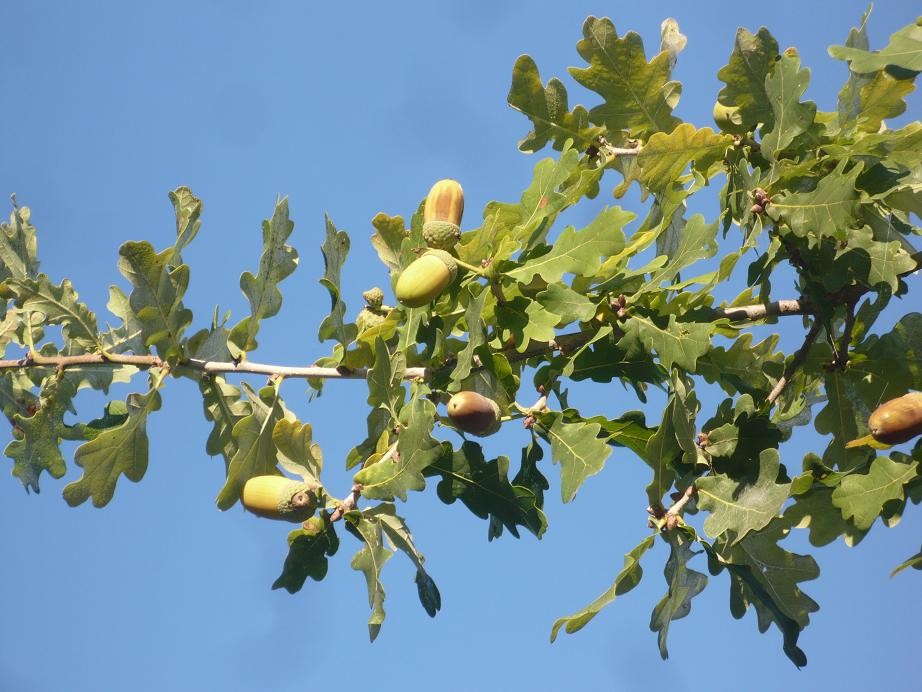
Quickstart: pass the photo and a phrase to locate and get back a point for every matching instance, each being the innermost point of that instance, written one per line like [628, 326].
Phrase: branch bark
[796, 361]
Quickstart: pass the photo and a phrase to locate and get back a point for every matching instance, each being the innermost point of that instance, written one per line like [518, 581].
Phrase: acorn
[442, 215]
[728, 119]
[278, 497]
[425, 279]
[898, 420]
[474, 413]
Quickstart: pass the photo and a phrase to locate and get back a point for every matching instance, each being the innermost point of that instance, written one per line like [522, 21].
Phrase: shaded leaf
[308, 550]
[59, 305]
[829, 210]
[684, 584]
[576, 447]
[784, 87]
[678, 343]
[18, 246]
[387, 239]
[476, 338]
[751, 62]
[188, 210]
[882, 98]
[224, 407]
[370, 560]
[296, 451]
[484, 488]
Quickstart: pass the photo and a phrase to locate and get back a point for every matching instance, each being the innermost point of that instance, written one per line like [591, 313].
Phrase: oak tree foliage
[629, 299]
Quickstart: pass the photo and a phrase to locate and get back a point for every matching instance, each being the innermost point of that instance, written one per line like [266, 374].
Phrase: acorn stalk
[278, 497]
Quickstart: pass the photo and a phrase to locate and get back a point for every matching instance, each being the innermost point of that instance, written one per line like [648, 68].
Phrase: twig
[674, 513]
[796, 361]
[760, 311]
[348, 504]
[841, 358]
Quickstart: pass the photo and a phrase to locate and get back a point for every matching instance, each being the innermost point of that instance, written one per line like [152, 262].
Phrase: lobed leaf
[684, 584]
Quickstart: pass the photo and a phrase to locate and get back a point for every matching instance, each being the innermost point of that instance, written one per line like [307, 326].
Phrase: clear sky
[350, 109]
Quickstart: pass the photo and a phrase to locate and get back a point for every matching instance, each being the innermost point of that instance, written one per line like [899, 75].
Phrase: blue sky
[351, 109]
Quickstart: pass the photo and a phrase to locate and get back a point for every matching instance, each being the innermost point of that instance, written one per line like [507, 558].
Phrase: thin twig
[841, 358]
[674, 513]
[348, 504]
[760, 311]
[796, 361]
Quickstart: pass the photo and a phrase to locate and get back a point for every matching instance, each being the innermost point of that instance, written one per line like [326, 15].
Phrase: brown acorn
[898, 420]
[474, 413]
[425, 279]
[442, 215]
[278, 497]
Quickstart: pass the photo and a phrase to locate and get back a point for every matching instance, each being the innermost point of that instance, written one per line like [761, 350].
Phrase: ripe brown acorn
[442, 215]
[474, 413]
[898, 420]
[278, 497]
[425, 279]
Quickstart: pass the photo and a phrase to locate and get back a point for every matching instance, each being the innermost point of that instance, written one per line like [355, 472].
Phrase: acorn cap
[374, 298]
[441, 235]
[278, 497]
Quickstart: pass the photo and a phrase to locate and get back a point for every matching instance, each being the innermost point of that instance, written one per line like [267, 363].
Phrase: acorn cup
[425, 279]
[474, 413]
[442, 215]
[278, 497]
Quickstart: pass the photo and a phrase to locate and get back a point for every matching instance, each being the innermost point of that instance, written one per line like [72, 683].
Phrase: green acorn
[425, 279]
[442, 215]
[278, 497]
[728, 119]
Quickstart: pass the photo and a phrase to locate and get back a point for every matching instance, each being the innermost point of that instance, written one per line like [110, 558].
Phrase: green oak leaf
[188, 210]
[387, 239]
[862, 496]
[684, 584]
[784, 87]
[335, 248]
[59, 305]
[698, 241]
[117, 451]
[277, 261]
[849, 96]
[578, 252]
[308, 550]
[526, 321]
[224, 407]
[548, 110]
[379, 423]
[297, 452]
[887, 366]
[18, 246]
[629, 577]
[750, 64]
[638, 94]
[676, 343]
[39, 448]
[566, 303]
[743, 507]
[814, 510]
[882, 98]
[128, 337]
[476, 338]
[576, 447]
[672, 441]
[385, 379]
[156, 296]
[543, 200]
[484, 488]
[740, 368]
[416, 450]
[370, 561]
[904, 50]
[829, 210]
[663, 158]
[256, 452]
